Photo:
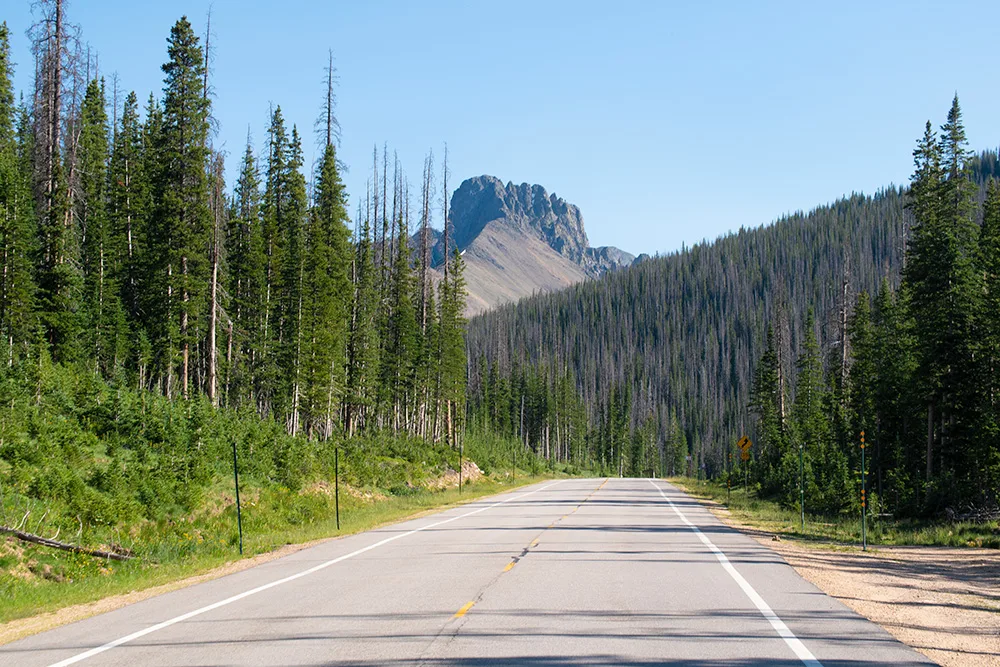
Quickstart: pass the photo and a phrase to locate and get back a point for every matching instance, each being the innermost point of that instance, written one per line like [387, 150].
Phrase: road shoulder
[941, 601]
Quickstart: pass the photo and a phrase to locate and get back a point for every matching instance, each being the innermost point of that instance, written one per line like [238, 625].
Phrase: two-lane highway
[573, 572]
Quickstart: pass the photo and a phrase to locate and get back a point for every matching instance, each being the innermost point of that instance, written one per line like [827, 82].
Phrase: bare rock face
[483, 199]
[518, 240]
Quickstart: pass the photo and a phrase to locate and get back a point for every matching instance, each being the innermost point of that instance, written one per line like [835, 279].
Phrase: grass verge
[35, 580]
[844, 530]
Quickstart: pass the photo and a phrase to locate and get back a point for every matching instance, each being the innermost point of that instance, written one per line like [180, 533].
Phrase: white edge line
[253, 591]
[779, 626]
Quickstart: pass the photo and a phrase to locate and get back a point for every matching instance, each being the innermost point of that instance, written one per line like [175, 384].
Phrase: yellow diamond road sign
[745, 444]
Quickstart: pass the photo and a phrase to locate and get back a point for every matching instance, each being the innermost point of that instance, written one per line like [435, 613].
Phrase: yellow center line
[461, 612]
[534, 543]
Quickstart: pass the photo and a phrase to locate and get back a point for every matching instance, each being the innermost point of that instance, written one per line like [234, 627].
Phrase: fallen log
[55, 544]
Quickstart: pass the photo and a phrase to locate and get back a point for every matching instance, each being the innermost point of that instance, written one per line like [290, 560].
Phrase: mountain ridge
[519, 240]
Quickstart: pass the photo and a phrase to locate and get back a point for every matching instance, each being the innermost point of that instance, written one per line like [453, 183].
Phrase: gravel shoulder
[942, 601]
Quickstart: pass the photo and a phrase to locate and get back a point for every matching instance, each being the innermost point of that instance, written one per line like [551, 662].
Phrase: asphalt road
[574, 572]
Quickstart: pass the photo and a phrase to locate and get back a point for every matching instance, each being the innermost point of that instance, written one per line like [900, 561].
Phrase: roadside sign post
[802, 486]
[336, 483]
[745, 444]
[864, 500]
[239, 514]
[729, 478]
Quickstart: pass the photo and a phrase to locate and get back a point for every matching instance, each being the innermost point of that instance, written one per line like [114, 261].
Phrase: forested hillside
[664, 355]
[157, 323]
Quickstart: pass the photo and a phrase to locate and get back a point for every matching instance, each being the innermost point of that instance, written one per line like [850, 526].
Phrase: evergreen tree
[941, 279]
[764, 402]
[183, 221]
[290, 221]
[897, 402]
[399, 346]
[247, 285]
[363, 345]
[128, 194]
[273, 216]
[863, 384]
[17, 238]
[451, 342]
[157, 335]
[327, 297]
[987, 456]
[106, 327]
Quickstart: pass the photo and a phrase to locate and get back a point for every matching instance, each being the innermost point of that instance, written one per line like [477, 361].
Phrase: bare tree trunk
[229, 358]
[186, 353]
[212, 319]
[930, 440]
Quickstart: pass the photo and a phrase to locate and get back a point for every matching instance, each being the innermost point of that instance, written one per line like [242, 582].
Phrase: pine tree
[273, 216]
[898, 402]
[765, 403]
[451, 342]
[810, 428]
[941, 279]
[363, 344]
[247, 286]
[59, 278]
[399, 348]
[17, 238]
[183, 220]
[327, 297]
[106, 327]
[987, 456]
[128, 194]
[293, 207]
[157, 336]
[863, 380]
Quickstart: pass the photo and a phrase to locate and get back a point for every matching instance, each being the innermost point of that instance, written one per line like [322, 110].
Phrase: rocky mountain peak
[481, 200]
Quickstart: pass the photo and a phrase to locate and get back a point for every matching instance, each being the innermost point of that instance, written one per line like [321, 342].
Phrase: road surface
[571, 572]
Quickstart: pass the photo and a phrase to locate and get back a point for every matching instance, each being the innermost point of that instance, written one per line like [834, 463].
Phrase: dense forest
[152, 317]
[873, 313]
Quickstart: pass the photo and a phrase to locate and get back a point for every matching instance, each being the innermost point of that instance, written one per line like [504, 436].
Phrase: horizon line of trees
[678, 342]
[125, 255]
[916, 368]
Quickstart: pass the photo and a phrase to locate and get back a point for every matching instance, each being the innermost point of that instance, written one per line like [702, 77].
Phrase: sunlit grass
[36, 579]
[844, 530]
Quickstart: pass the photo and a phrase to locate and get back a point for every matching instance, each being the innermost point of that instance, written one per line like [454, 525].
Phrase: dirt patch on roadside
[942, 601]
[325, 488]
[23, 627]
[470, 473]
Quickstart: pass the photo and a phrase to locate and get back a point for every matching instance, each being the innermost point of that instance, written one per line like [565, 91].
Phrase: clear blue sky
[665, 122]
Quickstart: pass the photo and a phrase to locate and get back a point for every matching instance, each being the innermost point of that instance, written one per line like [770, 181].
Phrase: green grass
[842, 530]
[36, 579]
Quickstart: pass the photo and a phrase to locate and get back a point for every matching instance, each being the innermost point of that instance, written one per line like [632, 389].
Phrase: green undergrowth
[770, 516]
[111, 468]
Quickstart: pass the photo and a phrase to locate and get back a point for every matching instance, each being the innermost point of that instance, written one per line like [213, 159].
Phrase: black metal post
[239, 513]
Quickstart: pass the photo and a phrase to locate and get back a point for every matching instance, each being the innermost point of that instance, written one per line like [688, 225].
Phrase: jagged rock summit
[518, 240]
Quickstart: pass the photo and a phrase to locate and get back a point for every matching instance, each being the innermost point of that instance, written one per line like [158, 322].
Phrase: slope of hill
[682, 332]
[519, 240]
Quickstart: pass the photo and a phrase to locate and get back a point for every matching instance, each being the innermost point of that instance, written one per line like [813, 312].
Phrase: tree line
[917, 369]
[683, 336]
[125, 255]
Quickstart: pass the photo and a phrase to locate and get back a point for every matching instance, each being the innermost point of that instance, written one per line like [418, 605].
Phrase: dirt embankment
[470, 473]
[942, 601]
